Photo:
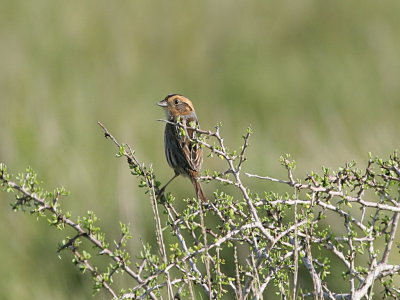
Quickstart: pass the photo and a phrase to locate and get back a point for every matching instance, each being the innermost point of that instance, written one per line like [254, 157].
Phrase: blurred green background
[317, 79]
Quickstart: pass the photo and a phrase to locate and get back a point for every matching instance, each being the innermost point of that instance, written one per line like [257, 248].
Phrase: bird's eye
[176, 101]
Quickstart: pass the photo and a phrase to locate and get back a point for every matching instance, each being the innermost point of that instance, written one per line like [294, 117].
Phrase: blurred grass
[315, 79]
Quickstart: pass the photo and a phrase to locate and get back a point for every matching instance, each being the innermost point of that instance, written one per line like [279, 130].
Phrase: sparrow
[183, 155]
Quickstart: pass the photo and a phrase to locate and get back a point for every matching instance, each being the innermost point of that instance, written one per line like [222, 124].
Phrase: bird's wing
[191, 151]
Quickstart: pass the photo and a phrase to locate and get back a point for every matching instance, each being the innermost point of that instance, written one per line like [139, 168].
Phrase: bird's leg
[163, 188]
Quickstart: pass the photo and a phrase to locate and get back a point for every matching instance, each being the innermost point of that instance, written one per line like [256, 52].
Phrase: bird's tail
[199, 190]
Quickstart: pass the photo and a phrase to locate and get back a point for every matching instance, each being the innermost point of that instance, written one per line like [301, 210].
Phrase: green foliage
[272, 238]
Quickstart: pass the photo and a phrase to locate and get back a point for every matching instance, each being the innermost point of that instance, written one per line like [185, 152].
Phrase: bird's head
[176, 105]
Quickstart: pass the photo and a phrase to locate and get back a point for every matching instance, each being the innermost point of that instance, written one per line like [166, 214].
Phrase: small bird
[184, 156]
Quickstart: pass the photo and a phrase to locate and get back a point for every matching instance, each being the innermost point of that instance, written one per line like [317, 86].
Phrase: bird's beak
[162, 103]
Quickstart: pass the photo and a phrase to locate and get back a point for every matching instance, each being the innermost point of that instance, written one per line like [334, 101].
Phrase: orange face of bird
[176, 105]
